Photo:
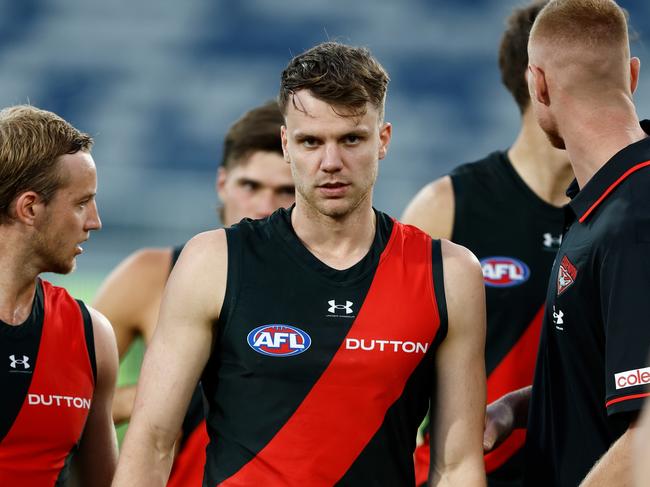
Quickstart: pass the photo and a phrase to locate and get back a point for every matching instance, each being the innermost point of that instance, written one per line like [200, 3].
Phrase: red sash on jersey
[347, 405]
[187, 470]
[55, 409]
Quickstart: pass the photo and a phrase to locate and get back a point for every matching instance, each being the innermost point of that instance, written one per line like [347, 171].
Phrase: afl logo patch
[278, 340]
[504, 271]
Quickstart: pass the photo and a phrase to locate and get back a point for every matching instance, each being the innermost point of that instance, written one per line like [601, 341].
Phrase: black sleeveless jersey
[515, 235]
[321, 377]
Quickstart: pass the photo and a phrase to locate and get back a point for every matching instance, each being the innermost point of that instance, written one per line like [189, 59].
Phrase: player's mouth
[79, 249]
[333, 190]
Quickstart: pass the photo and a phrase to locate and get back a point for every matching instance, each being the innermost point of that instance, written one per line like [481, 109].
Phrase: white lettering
[408, 347]
[293, 341]
[264, 339]
[385, 345]
[61, 401]
[367, 347]
[351, 343]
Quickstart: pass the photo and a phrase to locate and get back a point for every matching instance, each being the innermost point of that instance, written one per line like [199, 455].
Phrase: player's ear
[385, 133]
[283, 135]
[635, 69]
[27, 207]
[222, 175]
[537, 84]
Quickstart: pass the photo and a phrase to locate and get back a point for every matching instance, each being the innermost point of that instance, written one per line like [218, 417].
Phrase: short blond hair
[593, 23]
[31, 142]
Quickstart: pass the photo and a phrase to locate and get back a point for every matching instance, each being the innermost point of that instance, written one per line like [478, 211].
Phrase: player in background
[59, 360]
[253, 180]
[505, 208]
[323, 331]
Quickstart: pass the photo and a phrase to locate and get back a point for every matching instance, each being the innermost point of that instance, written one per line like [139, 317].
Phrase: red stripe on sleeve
[348, 403]
[626, 398]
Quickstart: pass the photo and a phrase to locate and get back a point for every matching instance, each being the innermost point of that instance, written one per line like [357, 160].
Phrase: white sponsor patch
[631, 378]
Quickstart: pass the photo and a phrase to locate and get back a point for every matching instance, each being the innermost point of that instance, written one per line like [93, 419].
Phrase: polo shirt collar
[584, 201]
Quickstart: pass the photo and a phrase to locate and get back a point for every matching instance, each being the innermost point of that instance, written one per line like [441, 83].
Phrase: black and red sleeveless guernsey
[47, 374]
[321, 377]
[515, 235]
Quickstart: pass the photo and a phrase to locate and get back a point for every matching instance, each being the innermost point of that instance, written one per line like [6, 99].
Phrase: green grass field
[83, 286]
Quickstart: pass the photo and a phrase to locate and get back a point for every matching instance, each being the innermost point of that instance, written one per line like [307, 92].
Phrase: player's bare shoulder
[464, 288]
[432, 208]
[105, 349]
[201, 270]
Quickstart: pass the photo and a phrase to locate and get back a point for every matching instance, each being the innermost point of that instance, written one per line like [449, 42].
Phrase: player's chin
[336, 208]
[65, 266]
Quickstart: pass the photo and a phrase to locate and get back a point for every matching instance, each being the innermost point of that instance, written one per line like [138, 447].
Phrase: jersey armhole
[176, 253]
[90, 337]
[439, 289]
[457, 193]
[233, 239]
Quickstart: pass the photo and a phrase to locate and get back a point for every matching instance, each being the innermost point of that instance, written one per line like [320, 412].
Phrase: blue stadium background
[158, 82]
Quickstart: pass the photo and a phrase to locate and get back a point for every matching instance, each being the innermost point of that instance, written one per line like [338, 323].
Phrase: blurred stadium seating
[158, 82]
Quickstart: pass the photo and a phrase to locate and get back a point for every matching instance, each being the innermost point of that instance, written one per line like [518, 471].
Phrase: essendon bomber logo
[504, 271]
[566, 275]
[278, 340]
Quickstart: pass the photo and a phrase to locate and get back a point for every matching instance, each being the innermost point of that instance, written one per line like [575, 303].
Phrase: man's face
[334, 158]
[255, 188]
[70, 216]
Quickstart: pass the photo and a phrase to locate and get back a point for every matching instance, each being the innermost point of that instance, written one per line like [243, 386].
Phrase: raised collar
[625, 162]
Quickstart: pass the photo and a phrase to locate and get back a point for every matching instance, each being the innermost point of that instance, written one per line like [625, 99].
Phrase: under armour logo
[24, 362]
[557, 318]
[552, 242]
[333, 306]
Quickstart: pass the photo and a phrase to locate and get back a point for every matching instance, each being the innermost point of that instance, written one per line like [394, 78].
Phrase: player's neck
[17, 285]
[337, 242]
[545, 170]
[594, 133]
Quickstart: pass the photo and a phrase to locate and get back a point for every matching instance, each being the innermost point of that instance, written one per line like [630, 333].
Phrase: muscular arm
[174, 360]
[432, 209]
[130, 298]
[458, 406]
[97, 456]
[615, 466]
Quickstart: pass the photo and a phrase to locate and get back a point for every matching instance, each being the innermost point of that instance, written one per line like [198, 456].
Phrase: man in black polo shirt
[591, 368]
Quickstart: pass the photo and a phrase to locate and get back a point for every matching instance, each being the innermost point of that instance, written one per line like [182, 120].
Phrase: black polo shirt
[592, 362]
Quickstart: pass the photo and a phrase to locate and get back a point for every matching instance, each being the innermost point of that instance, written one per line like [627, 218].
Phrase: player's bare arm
[130, 298]
[642, 448]
[97, 456]
[615, 467]
[174, 360]
[459, 405]
[432, 209]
